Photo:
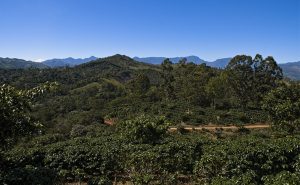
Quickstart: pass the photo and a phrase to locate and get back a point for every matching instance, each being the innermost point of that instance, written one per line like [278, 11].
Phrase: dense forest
[54, 123]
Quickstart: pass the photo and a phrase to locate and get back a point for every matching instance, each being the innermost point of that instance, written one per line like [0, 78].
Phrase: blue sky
[210, 29]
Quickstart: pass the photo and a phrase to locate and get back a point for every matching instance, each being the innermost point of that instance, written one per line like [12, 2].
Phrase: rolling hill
[159, 60]
[118, 67]
[14, 63]
[291, 70]
[219, 63]
[67, 61]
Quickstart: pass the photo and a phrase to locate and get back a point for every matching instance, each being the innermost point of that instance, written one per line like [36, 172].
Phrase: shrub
[143, 129]
[29, 175]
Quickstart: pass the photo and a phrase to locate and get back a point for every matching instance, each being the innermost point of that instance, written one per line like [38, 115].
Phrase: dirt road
[213, 127]
[208, 127]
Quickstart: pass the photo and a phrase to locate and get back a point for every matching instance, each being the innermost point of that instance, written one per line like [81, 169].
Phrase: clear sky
[210, 29]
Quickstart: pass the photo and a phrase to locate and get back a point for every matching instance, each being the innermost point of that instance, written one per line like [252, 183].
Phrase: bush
[72, 160]
[284, 177]
[102, 180]
[143, 129]
[258, 157]
[78, 131]
[283, 106]
[29, 175]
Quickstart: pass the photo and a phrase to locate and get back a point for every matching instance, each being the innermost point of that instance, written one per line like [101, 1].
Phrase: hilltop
[290, 69]
[67, 61]
[14, 63]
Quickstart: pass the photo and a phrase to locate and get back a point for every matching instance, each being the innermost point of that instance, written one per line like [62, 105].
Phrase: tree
[140, 84]
[251, 78]
[266, 74]
[283, 106]
[182, 61]
[217, 88]
[190, 82]
[15, 105]
[168, 79]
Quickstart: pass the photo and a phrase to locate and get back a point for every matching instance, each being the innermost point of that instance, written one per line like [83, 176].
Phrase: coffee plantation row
[106, 155]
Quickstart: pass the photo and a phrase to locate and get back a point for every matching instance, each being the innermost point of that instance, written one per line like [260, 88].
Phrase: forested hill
[67, 61]
[120, 87]
[14, 63]
[64, 110]
[291, 70]
[118, 67]
[159, 60]
[86, 92]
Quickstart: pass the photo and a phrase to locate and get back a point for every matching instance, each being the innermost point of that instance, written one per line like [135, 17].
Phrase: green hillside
[120, 87]
[13, 63]
[291, 70]
[117, 120]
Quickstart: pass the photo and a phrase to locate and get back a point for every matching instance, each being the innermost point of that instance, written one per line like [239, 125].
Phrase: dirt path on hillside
[213, 127]
[208, 127]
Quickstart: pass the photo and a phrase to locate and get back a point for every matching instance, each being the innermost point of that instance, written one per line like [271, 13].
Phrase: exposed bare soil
[213, 127]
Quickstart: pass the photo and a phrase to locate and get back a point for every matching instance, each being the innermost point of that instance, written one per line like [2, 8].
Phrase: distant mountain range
[67, 61]
[159, 60]
[14, 63]
[220, 63]
[290, 70]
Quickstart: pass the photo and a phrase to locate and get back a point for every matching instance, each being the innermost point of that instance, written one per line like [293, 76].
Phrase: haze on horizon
[211, 29]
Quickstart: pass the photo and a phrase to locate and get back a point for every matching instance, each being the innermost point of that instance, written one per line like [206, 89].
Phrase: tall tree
[251, 78]
[267, 73]
[168, 79]
[217, 88]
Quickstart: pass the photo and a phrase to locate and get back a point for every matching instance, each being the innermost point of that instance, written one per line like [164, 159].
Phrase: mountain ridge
[70, 61]
[15, 63]
[290, 69]
[219, 63]
[159, 60]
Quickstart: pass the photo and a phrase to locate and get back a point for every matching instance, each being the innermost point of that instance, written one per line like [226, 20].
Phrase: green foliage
[168, 79]
[251, 78]
[283, 106]
[143, 129]
[119, 87]
[284, 177]
[15, 105]
[74, 160]
[78, 147]
[140, 84]
[29, 175]
[102, 180]
[176, 159]
[217, 89]
[252, 157]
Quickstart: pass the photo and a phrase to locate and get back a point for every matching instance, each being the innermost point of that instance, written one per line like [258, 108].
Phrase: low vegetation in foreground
[141, 151]
[53, 131]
